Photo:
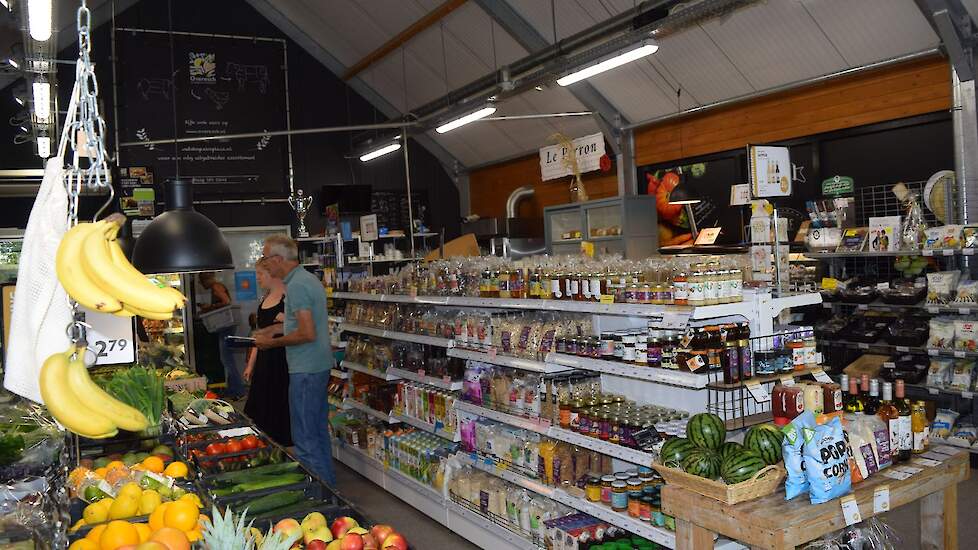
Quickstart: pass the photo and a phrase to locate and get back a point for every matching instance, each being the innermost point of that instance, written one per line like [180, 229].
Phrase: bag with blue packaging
[826, 455]
[794, 440]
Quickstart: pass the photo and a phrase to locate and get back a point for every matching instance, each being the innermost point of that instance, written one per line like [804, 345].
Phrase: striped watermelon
[729, 448]
[706, 430]
[703, 463]
[765, 440]
[741, 466]
[675, 450]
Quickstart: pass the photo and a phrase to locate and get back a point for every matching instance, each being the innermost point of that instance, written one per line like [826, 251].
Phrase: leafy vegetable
[139, 387]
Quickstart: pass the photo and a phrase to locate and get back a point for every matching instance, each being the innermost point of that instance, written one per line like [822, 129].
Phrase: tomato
[249, 442]
[668, 212]
[216, 449]
[234, 446]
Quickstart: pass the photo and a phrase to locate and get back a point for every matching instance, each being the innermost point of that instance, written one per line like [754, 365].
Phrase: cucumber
[255, 474]
[270, 502]
[267, 482]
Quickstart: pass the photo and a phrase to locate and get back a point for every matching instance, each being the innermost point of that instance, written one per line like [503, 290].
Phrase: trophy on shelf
[301, 205]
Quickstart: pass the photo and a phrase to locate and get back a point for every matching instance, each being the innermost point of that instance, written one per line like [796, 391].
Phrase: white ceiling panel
[773, 43]
[854, 29]
[634, 93]
[703, 71]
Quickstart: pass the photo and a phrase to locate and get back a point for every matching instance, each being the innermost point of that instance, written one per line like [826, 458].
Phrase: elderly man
[305, 336]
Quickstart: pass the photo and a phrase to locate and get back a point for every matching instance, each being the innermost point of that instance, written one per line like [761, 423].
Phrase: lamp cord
[173, 89]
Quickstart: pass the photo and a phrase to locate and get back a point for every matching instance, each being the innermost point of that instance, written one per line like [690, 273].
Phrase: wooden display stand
[773, 523]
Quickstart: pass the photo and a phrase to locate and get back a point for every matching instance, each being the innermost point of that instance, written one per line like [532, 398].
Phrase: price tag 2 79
[881, 499]
[759, 392]
[850, 510]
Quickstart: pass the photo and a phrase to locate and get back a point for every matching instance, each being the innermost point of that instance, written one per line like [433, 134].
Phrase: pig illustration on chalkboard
[247, 74]
[149, 87]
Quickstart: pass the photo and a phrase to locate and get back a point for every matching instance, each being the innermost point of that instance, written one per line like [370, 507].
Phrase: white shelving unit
[431, 428]
[380, 415]
[540, 427]
[651, 374]
[443, 383]
[339, 374]
[507, 361]
[350, 365]
[403, 336]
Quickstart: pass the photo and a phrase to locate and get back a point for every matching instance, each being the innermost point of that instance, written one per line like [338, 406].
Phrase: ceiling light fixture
[39, 19]
[42, 101]
[5, 4]
[380, 152]
[638, 51]
[43, 147]
[465, 119]
[13, 63]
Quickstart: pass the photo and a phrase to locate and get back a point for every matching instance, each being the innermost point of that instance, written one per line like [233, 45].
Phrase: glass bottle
[844, 382]
[736, 285]
[696, 286]
[890, 416]
[536, 287]
[485, 283]
[921, 431]
[872, 403]
[680, 289]
[504, 282]
[855, 404]
[863, 392]
[903, 408]
[746, 354]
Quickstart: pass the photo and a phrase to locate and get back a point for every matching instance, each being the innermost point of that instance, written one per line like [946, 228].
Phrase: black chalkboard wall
[909, 149]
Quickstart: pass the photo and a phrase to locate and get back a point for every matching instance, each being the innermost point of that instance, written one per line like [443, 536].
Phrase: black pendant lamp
[181, 240]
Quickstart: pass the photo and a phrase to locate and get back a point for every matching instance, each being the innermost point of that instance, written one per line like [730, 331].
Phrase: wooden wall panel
[905, 90]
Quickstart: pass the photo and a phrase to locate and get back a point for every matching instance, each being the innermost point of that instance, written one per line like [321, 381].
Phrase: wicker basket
[764, 482]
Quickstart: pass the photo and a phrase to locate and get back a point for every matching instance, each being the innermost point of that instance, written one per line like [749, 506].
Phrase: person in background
[220, 297]
[267, 370]
[307, 348]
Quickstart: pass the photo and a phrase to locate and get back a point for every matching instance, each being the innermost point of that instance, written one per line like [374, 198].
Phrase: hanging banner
[770, 171]
[589, 151]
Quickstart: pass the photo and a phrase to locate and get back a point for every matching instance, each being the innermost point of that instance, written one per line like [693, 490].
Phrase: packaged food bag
[794, 440]
[826, 456]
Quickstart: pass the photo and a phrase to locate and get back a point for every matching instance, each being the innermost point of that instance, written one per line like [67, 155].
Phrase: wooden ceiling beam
[402, 37]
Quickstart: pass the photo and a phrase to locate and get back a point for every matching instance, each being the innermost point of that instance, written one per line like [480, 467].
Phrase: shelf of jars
[437, 428]
[350, 403]
[629, 370]
[604, 513]
[351, 365]
[545, 367]
[444, 382]
[404, 336]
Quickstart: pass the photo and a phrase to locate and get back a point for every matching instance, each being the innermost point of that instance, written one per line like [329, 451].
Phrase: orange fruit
[156, 518]
[173, 539]
[115, 476]
[96, 532]
[83, 544]
[100, 472]
[181, 514]
[118, 533]
[115, 464]
[154, 464]
[177, 470]
[143, 530]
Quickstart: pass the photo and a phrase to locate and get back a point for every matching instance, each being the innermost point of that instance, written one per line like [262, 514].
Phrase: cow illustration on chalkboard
[149, 87]
[247, 74]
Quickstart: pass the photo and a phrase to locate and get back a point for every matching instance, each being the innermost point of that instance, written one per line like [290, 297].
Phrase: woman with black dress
[267, 370]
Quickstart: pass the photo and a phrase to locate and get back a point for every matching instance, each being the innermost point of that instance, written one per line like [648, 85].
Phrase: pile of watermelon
[705, 452]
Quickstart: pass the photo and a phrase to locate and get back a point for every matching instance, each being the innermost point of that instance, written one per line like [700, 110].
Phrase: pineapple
[224, 533]
[280, 540]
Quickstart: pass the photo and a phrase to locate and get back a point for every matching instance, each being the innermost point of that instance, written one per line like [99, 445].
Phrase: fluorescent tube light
[13, 63]
[462, 121]
[42, 101]
[43, 147]
[380, 152]
[640, 50]
[39, 19]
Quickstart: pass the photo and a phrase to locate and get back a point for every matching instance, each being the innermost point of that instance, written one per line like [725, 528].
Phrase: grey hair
[282, 245]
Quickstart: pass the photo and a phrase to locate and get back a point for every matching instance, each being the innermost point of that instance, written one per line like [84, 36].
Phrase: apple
[288, 526]
[369, 542]
[322, 533]
[395, 540]
[380, 532]
[351, 541]
[315, 545]
[342, 525]
[313, 521]
[358, 530]
[334, 545]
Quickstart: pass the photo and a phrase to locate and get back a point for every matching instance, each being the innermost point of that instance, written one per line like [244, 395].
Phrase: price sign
[881, 499]
[960, 354]
[820, 376]
[111, 338]
[927, 252]
[787, 380]
[896, 474]
[930, 463]
[850, 510]
[759, 392]
[948, 252]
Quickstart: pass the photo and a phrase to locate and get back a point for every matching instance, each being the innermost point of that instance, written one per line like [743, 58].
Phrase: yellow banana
[123, 312]
[125, 285]
[95, 398]
[120, 260]
[64, 405]
[147, 314]
[72, 276]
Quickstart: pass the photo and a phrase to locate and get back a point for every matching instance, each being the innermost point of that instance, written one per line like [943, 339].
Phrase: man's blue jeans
[232, 376]
[309, 411]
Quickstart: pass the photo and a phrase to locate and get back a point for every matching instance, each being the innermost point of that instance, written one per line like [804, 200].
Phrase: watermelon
[703, 463]
[675, 450]
[765, 440]
[729, 448]
[741, 466]
[706, 430]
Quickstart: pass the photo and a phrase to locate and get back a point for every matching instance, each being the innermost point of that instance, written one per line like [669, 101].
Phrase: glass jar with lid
[619, 496]
[697, 291]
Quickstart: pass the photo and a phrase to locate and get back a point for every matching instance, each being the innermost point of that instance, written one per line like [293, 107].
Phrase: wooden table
[773, 523]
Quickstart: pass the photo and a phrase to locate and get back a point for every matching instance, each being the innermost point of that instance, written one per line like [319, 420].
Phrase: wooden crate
[765, 481]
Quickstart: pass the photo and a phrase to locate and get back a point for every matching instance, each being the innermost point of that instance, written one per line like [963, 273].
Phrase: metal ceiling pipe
[787, 87]
[518, 194]
[964, 120]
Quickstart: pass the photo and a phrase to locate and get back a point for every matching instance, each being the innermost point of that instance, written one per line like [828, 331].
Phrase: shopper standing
[267, 370]
[220, 297]
[307, 348]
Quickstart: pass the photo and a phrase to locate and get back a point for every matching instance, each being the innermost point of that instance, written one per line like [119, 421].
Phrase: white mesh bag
[41, 313]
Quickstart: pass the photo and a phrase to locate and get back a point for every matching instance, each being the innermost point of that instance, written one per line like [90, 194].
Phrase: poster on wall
[710, 181]
[589, 150]
[222, 85]
[770, 170]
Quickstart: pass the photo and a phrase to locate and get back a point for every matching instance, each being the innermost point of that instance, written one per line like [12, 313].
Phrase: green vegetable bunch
[139, 387]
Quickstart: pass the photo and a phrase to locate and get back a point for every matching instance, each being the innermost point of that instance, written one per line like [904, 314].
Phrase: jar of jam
[619, 496]
[634, 503]
[653, 351]
[576, 292]
[680, 289]
[641, 351]
[598, 287]
[645, 512]
[632, 293]
[565, 414]
[656, 294]
[606, 481]
[607, 345]
[584, 420]
[560, 345]
[647, 479]
[614, 430]
[645, 294]
[594, 347]
[628, 347]
[593, 489]
[604, 423]
[575, 412]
